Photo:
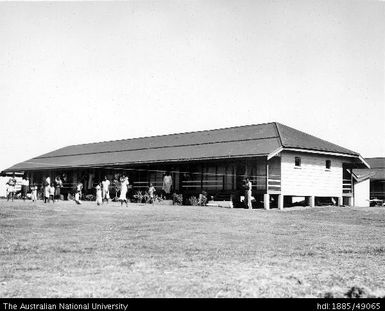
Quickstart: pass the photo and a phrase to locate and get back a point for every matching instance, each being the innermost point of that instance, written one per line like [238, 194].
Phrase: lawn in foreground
[65, 250]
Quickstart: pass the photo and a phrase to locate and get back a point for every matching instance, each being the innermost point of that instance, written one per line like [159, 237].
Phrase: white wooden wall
[312, 178]
[362, 193]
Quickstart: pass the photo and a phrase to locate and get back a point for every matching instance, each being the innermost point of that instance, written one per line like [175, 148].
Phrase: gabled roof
[292, 138]
[234, 142]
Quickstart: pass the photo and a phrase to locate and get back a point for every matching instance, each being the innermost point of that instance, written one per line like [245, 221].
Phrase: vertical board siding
[312, 178]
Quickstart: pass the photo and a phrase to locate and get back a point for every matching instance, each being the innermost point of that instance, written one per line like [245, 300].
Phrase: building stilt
[280, 201]
[266, 201]
[311, 201]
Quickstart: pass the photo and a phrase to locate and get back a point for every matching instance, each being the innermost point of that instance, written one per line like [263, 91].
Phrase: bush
[139, 196]
[146, 197]
[90, 197]
[158, 198]
[177, 199]
[357, 292]
[193, 201]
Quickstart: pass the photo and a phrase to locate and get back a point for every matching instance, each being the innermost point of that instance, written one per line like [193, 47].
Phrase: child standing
[98, 194]
[151, 192]
[79, 188]
[34, 193]
[123, 189]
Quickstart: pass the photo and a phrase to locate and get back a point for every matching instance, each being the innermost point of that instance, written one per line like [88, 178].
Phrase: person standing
[123, 189]
[116, 185]
[105, 189]
[34, 193]
[167, 184]
[248, 188]
[24, 187]
[151, 192]
[98, 194]
[58, 184]
[47, 188]
[202, 200]
[78, 192]
[11, 187]
[46, 193]
[52, 193]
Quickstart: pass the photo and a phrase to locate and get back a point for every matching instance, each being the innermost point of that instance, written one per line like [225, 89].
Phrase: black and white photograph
[192, 149]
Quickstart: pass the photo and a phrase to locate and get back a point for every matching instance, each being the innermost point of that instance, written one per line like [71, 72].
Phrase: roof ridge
[172, 134]
[153, 148]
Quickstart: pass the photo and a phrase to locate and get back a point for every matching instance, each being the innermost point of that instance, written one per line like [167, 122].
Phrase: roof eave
[116, 164]
[338, 154]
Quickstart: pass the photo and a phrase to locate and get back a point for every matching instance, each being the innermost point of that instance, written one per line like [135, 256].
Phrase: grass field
[65, 250]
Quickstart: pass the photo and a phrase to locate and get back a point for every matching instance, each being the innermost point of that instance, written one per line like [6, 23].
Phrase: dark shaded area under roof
[234, 142]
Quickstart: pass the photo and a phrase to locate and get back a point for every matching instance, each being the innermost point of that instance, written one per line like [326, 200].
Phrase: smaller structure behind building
[376, 179]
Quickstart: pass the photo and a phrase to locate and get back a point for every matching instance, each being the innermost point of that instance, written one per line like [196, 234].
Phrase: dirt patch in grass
[64, 250]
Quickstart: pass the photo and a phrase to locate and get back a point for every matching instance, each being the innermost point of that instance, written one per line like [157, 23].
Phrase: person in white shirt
[78, 192]
[123, 189]
[47, 188]
[98, 194]
[11, 187]
[151, 192]
[167, 184]
[34, 193]
[105, 189]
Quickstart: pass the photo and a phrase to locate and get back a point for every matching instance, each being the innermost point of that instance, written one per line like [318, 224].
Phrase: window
[328, 164]
[297, 161]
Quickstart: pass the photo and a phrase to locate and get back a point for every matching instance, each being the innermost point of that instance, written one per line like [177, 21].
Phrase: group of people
[11, 188]
[123, 187]
[52, 190]
[103, 190]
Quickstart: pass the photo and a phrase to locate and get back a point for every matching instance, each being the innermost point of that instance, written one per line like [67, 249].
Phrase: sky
[82, 72]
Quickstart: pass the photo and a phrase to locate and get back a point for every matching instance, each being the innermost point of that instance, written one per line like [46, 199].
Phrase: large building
[282, 163]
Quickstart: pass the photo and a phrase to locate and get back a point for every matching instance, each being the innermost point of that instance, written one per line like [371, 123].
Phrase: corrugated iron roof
[242, 141]
[376, 162]
[292, 138]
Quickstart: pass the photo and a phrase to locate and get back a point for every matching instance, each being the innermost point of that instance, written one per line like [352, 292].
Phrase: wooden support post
[312, 201]
[350, 201]
[340, 201]
[266, 201]
[280, 201]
